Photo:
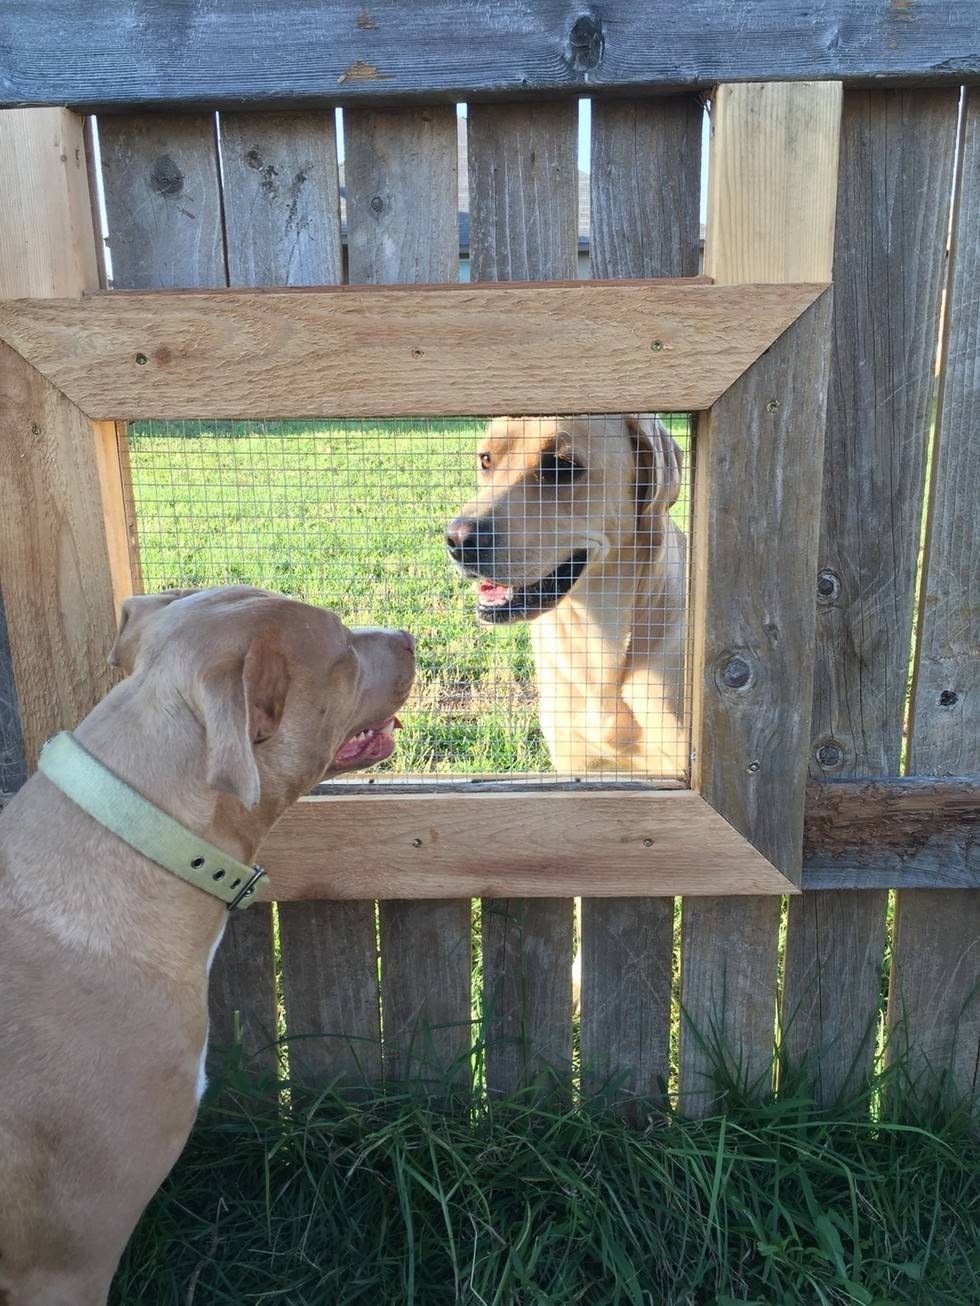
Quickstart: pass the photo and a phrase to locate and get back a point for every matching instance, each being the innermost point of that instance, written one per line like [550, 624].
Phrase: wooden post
[64, 557]
[772, 181]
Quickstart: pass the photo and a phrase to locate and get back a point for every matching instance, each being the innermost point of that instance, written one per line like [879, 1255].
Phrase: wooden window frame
[751, 359]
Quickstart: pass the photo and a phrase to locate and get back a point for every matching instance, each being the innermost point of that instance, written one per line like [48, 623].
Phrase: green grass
[350, 515]
[388, 1200]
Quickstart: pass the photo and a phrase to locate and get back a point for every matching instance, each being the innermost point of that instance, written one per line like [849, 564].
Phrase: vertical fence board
[934, 1005]
[402, 223]
[162, 192]
[645, 182]
[281, 199]
[282, 223]
[163, 201]
[893, 207]
[56, 549]
[783, 138]
[523, 225]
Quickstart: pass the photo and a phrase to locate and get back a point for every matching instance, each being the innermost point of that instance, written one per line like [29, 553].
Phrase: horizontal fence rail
[104, 54]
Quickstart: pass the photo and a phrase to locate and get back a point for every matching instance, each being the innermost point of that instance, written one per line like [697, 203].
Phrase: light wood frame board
[750, 358]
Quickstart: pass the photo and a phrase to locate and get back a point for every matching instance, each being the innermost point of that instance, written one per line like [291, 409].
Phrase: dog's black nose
[469, 541]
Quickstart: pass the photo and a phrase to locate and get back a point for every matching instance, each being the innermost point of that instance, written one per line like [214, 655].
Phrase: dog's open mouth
[372, 745]
[501, 603]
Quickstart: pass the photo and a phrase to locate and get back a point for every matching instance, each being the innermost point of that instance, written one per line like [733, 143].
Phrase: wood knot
[586, 43]
[165, 176]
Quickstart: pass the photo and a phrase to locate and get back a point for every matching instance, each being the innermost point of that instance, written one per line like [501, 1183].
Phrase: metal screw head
[773, 406]
[418, 353]
[378, 204]
[416, 843]
[736, 673]
[657, 346]
[647, 843]
[830, 755]
[948, 698]
[141, 360]
[753, 767]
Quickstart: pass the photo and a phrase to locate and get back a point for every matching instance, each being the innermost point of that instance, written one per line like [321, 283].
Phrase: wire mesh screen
[541, 564]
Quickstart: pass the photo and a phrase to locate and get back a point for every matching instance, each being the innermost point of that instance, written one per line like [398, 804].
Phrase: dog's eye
[486, 462]
[556, 470]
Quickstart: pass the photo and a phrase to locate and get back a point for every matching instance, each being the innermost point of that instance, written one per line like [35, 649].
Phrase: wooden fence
[806, 179]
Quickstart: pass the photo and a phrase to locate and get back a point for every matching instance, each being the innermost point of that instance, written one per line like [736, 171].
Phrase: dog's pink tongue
[489, 593]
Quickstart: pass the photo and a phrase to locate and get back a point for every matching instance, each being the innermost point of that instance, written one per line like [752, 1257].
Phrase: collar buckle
[246, 894]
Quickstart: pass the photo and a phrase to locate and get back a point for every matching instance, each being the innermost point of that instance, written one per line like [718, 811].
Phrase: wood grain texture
[892, 213]
[934, 1005]
[945, 733]
[379, 351]
[106, 54]
[758, 465]
[54, 560]
[645, 186]
[523, 192]
[47, 242]
[913, 832]
[774, 176]
[728, 958]
[401, 171]
[54, 556]
[281, 208]
[282, 199]
[663, 841]
[645, 183]
[162, 199]
[523, 189]
[163, 204]
[332, 1011]
[40, 154]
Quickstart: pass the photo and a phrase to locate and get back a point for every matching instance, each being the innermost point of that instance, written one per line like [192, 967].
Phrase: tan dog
[237, 702]
[571, 527]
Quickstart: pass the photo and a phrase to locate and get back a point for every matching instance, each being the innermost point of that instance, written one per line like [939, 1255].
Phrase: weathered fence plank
[282, 199]
[934, 1005]
[893, 208]
[401, 171]
[106, 54]
[913, 832]
[523, 205]
[645, 186]
[282, 228]
[163, 201]
[58, 552]
[728, 950]
[160, 179]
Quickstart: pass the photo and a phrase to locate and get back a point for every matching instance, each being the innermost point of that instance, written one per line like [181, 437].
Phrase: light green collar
[135, 820]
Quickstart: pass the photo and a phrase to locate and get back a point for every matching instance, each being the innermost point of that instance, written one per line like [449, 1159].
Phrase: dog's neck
[607, 632]
[106, 893]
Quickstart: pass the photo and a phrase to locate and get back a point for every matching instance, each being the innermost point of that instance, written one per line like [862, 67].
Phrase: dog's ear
[658, 465]
[136, 612]
[241, 702]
